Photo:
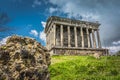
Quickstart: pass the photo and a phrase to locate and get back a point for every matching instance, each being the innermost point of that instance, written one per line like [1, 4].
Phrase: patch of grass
[85, 68]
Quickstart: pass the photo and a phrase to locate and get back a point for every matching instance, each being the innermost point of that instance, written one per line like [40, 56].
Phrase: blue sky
[28, 17]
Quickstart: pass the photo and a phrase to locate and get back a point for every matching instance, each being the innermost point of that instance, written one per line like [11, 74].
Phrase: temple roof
[68, 20]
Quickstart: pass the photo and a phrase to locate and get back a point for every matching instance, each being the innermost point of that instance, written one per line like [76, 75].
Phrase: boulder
[97, 55]
[23, 58]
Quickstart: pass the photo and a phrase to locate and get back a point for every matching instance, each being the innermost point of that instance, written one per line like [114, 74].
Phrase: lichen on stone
[23, 58]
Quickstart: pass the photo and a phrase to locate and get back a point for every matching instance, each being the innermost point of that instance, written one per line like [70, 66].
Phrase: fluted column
[54, 35]
[98, 38]
[88, 38]
[94, 40]
[68, 36]
[61, 35]
[82, 37]
[75, 31]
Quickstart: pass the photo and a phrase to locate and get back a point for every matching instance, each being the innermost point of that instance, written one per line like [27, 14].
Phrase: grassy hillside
[85, 68]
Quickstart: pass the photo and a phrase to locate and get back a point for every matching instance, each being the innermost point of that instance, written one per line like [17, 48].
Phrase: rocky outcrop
[23, 59]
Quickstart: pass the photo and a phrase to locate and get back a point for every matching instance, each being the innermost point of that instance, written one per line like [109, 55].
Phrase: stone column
[61, 35]
[82, 36]
[88, 38]
[98, 38]
[54, 35]
[93, 37]
[75, 31]
[68, 36]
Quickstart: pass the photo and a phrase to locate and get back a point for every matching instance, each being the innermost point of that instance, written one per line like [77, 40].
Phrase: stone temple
[72, 37]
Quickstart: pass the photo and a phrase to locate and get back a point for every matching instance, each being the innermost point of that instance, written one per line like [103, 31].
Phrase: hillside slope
[85, 68]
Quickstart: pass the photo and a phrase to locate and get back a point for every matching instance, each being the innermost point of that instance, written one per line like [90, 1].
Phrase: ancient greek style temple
[74, 37]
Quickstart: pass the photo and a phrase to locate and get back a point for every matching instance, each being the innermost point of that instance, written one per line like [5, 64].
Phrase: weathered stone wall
[23, 59]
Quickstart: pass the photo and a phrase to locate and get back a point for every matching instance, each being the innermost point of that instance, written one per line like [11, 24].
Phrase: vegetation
[118, 53]
[85, 68]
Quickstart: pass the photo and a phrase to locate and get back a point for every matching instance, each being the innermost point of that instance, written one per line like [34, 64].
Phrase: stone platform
[77, 51]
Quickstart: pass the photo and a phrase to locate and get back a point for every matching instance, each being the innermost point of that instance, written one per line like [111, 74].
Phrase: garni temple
[73, 37]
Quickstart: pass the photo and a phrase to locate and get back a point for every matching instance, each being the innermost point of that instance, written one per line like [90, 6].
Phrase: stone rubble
[23, 59]
[97, 55]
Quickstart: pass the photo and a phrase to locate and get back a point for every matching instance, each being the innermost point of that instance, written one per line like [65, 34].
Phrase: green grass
[85, 68]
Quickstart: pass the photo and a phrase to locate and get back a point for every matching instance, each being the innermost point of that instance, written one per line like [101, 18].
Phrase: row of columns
[81, 35]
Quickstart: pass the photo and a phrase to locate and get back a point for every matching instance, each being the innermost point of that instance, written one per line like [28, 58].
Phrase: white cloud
[74, 9]
[34, 32]
[89, 17]
[3, 41]
[42, 36]
[116, 42]
[43, 24]
[52, 10]
[36, 3]
[113, 49]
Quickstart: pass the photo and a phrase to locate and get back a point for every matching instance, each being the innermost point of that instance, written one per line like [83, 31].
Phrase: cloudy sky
[28, 17]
